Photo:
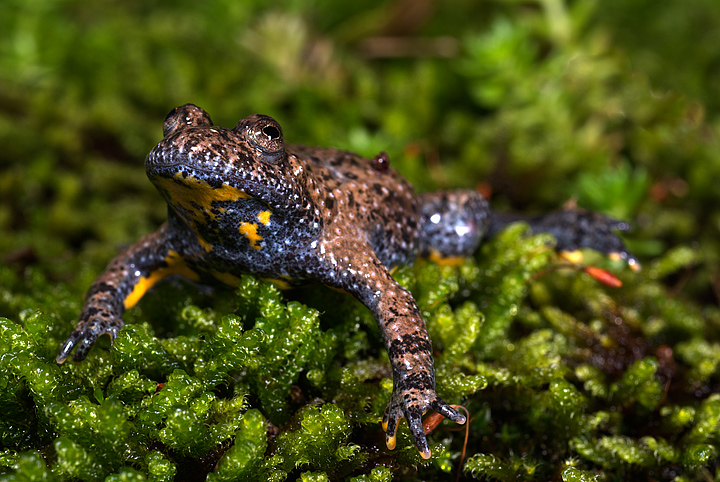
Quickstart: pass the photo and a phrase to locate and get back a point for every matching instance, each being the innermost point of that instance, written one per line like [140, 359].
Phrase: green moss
[245, 458]
[491, 466]
[377, 474]
[28, 467]
[317, 439]
[159, 467]
[573, 474]
[638, 384]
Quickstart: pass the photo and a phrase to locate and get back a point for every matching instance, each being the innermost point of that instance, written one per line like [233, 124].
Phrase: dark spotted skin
[241, 201]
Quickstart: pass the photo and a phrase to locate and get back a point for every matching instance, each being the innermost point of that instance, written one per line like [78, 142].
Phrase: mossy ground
[612, 103]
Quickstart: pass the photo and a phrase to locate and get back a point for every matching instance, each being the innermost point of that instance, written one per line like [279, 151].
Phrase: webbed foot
[411, 404]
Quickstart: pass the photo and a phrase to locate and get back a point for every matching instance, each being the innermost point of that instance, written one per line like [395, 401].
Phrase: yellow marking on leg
[574, 257]
[438, 258]
[281, 284]
[632, 262]
[227, 278]
[249, 230]
[203, 242]
[175, 265]
[634, 265]
[390, 440]
[264, 217]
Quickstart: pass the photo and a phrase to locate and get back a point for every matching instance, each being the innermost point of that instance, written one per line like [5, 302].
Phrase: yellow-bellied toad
[240, 201]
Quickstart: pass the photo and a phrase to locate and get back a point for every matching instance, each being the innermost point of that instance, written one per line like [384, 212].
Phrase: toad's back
[364, 199]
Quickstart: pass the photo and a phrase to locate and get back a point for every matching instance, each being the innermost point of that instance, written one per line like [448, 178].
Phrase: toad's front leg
[406, 338]
[124, 282]
[410, 352]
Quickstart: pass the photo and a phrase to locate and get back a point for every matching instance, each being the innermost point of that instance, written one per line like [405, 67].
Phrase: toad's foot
[86, 334]
[411, 404]
[576, 228]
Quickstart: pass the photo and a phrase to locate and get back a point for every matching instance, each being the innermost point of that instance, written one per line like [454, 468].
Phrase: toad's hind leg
[573, 229]
[452, 223]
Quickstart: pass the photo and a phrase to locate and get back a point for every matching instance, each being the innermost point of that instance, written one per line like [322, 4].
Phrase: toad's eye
[180, 118]
[266, 135]
[272, 132]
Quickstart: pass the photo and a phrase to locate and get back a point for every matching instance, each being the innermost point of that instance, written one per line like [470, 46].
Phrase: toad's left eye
[266, 135]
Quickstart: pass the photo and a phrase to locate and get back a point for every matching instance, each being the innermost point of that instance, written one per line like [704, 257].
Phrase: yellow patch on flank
[436, 257]
[264, 217]
[175, 265]
[195, 196]
[227, 278]
[249, 230]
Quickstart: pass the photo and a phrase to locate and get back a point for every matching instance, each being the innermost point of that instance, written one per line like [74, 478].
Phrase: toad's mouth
[198, 176]
[211, 175]
[195, 193]
[196, 201]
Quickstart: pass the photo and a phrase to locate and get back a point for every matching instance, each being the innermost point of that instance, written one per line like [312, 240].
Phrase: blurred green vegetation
[615, 104]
